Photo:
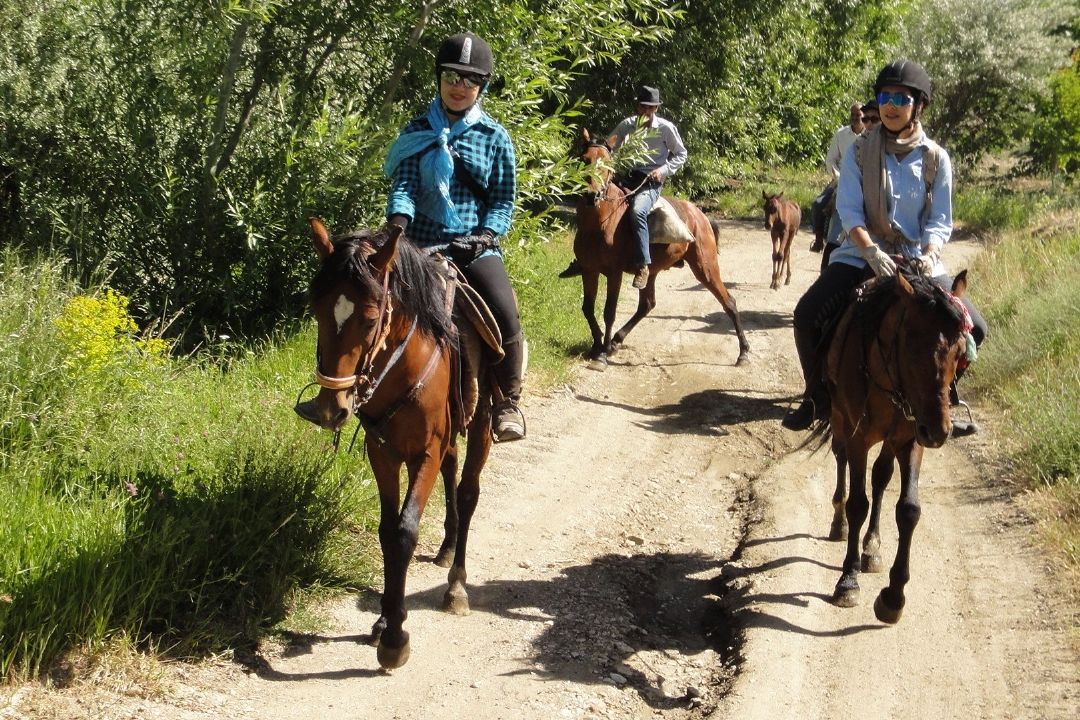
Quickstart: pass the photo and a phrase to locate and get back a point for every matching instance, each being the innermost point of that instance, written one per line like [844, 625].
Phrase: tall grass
[175, 502]
[1028, 285]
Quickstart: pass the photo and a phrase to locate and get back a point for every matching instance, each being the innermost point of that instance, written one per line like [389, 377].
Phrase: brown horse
[782, 218]
[386, 355]
[604, 245]
[890, 362]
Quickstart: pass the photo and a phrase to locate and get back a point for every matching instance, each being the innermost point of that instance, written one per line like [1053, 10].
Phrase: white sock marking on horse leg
[343, 310]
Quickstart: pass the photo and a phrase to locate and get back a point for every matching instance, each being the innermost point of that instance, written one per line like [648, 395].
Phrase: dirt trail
[655, 548]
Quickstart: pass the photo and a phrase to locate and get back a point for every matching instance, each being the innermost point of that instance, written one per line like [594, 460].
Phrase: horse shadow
[718, 324]
[707, 412]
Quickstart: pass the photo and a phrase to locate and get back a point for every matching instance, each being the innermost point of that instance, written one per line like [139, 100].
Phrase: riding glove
[879, 262]
[929, 260]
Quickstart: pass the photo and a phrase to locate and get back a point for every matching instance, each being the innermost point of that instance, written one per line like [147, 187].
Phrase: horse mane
[417, 285]
[873, 299]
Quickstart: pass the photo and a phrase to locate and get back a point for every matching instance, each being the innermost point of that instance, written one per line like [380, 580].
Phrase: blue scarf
[437, 164]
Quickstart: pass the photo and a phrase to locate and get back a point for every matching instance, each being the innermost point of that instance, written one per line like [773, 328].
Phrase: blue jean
[640, 205]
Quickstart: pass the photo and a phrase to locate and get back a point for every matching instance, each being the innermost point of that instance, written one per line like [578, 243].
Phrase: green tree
[989, 61]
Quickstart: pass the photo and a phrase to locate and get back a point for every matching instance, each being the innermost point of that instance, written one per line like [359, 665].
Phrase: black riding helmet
[905, 73]
[466, 53]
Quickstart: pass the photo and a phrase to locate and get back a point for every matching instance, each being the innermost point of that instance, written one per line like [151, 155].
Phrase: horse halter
[365, 366]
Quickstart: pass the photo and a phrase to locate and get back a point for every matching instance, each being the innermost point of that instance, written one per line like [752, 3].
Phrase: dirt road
[656, 548]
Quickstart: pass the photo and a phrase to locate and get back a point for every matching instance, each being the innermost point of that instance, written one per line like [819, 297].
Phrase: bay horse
[888, 369]
[782, 218]
[386, 346]
[604, 245]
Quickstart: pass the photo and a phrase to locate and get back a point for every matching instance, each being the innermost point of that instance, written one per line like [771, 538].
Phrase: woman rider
[453, 187]
[888, 209]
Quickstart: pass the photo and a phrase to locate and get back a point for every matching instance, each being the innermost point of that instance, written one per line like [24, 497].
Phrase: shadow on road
[703, 413]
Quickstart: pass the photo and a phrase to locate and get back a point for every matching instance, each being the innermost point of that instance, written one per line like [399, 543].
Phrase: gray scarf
[878, 142]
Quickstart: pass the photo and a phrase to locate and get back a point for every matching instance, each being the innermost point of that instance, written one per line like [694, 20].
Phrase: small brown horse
[782, 218]
[604, 245]
[890, 362]
[385, 354]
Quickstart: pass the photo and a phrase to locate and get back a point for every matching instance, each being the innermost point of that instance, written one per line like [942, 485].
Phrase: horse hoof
[884, 612]
[838, 532]
[444, 558]
[598, 364]
[872, 563]
[456, 603]
[744, 359]
[846, 593]
[392, 658]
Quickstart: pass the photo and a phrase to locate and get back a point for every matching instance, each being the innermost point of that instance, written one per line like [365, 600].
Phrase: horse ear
[903, 287]
[383, 259]
[585, 135]
[764, 195]
[959, 284]
[320, 239]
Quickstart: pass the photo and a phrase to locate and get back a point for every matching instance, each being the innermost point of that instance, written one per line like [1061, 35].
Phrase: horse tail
[715, 224]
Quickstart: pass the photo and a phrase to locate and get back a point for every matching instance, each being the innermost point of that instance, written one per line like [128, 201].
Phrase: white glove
[928, 261]
[879, 262]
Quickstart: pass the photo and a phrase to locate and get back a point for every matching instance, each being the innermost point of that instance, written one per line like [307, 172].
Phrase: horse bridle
[896, 392]
[364, 376]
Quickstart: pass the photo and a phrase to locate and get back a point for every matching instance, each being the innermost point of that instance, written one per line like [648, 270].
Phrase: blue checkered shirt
[488, 154]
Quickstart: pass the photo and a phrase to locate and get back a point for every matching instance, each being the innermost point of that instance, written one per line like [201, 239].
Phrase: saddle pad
[665, 225]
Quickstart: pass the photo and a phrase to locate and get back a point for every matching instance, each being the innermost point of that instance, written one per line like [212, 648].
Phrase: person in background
[870, 119]
[821, 209]
[666, 155]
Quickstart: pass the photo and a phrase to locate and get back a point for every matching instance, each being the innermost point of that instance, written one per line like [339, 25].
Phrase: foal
[782, 218]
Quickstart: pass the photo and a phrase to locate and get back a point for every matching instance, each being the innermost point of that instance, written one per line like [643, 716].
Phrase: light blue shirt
[666, 149]
[905, 193]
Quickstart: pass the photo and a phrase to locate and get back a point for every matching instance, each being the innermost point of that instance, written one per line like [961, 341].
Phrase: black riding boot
[815, 403]
[960, 428]
[507, 421]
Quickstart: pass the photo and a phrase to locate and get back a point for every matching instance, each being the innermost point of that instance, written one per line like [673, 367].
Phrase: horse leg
[846, 593]
[590, 283]
[777, 264]
[839, 529]
[707, 273]
[611, 304]
[450, 524]
[889, 604]
[880, 476]
[397, 536]
[456, 598]
[646, 302]
[787, 257]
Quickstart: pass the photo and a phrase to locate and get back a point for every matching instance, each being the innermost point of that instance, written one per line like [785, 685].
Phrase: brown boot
[641, 278]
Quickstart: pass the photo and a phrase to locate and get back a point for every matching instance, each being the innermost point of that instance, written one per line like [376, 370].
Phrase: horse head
[352, 305]
[921, 341]
[772, 207]
[596, 154]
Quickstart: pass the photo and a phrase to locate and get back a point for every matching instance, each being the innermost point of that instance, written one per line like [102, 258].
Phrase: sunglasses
[898, 99]
[452, 77]
[870, 120]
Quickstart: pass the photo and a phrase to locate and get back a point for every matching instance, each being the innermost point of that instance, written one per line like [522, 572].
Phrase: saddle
[479, 342]
[665, 225]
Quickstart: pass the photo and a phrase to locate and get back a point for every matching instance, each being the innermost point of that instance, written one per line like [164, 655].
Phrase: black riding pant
[488, 275]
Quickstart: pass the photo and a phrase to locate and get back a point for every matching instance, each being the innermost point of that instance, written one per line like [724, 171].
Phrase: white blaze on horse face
[343, 310]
